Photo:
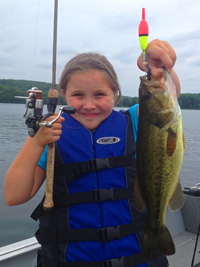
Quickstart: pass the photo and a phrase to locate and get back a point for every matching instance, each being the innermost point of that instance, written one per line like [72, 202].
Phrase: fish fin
[171, 142]
[183, 141]
[177, 200]
[157, 240]
[138, 198]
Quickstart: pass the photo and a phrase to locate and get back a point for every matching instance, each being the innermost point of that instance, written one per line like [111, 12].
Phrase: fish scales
[159, 151]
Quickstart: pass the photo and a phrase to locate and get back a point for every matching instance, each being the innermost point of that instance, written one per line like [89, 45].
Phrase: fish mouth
[165, 86]
[152, 83]
[166, 83]
[164, 89]
[155, 89]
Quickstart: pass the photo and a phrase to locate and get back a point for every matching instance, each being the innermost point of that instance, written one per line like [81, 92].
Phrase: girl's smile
[92, 96]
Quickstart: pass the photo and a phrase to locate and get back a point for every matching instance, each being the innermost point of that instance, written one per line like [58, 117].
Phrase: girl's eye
[78, 94]
[100, 94]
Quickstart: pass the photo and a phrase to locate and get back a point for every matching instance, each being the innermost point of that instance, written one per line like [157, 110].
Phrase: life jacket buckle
[100, 195]
[98, 164]
[109, 233]
[103, 163]
[115, 262]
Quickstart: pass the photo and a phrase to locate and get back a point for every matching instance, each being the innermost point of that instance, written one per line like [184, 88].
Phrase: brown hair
[91, 61]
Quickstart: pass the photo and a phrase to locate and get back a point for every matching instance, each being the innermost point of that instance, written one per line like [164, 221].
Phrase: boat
[183, 225]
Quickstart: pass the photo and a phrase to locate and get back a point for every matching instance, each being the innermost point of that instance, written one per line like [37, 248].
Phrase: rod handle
[48, 202]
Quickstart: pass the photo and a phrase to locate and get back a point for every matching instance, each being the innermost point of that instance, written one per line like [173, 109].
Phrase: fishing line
[35, 49]
[74, 128]
[195, 247]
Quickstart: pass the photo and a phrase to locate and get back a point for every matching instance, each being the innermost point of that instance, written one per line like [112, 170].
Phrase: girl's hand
[158, 54]
[45, 136]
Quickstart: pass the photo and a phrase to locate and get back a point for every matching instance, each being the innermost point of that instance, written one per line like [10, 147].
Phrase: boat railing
[183, 226]
[15, 254]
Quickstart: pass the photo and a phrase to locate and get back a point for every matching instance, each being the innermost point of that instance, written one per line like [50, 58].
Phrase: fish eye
[147, 95]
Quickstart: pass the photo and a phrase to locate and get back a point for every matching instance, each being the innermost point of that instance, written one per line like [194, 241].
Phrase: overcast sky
[109, 27]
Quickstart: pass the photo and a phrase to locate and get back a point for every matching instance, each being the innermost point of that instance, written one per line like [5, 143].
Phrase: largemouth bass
[159, 154]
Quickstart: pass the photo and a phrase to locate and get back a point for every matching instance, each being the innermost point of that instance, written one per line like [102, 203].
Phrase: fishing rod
[53, 96]
[51, 107]
[35, 119]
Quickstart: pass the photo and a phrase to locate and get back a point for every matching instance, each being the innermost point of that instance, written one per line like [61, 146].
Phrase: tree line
[11, 88]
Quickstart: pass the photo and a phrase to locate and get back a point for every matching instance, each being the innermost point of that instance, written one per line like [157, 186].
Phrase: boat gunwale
[18, 248]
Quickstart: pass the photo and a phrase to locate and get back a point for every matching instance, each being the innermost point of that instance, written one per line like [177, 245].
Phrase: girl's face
[90, 93]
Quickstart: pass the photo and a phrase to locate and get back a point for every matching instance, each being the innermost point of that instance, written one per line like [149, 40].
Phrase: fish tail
[157, 240]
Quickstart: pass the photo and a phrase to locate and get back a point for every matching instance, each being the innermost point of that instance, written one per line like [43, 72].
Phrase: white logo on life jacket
[108, 140]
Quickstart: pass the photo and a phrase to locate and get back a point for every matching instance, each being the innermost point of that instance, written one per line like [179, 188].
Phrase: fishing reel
[34, 111]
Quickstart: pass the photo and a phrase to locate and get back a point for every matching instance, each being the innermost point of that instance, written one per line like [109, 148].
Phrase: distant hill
[11, 88]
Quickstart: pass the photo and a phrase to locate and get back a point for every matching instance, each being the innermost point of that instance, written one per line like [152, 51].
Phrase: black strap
[129, 261]
[98, 195]
[44, 235]
[73, 171]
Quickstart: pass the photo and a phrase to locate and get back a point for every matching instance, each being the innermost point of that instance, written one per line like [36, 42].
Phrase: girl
[94, 221]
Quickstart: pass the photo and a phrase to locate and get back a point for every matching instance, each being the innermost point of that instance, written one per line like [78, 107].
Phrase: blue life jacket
[94, 222]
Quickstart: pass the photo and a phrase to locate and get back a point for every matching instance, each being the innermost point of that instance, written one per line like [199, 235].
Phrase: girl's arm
[24, 176]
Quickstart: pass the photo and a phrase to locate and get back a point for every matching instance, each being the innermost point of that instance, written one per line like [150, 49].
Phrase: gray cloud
[26, 36]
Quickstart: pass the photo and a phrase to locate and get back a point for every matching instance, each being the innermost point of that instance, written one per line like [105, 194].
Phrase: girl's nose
[89, 104]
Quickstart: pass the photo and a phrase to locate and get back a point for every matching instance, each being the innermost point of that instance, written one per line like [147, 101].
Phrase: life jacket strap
[73, 171]
[97, 195]
[128, 261]
[47, 236]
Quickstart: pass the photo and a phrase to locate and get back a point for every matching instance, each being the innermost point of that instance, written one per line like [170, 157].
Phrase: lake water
[15, 222]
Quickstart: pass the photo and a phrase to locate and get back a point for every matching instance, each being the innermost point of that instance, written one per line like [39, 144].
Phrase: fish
[160, 147]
